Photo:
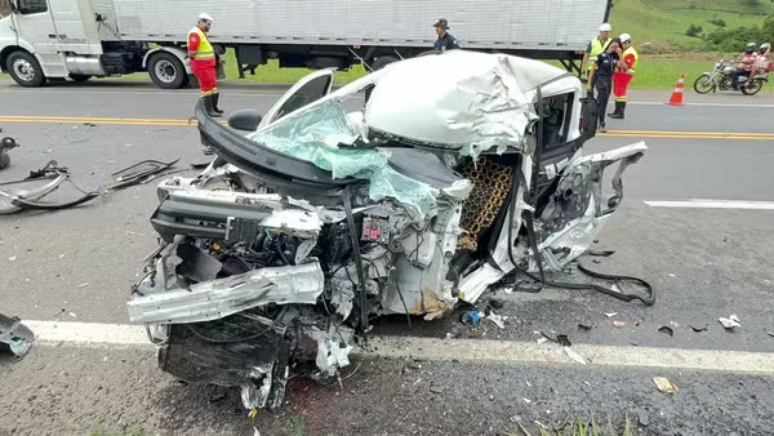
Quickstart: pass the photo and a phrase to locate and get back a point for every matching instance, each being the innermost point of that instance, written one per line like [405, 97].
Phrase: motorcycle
[722, 78]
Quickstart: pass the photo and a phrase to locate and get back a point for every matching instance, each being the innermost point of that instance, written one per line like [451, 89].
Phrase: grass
[663, 23]
[577, 428]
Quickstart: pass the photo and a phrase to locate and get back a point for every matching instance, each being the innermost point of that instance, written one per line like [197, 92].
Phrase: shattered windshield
[320, 134]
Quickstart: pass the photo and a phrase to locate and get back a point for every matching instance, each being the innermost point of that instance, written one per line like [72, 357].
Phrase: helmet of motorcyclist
[750, 48]
[764, 47]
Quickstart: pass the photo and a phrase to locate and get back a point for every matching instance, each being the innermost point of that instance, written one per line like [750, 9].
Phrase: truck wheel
[166, 71]
[25, 69]
[382, 61]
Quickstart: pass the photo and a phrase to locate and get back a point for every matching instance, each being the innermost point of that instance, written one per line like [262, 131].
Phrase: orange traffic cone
[677, 95]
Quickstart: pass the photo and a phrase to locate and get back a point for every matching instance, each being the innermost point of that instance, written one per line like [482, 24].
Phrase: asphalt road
[78, 265]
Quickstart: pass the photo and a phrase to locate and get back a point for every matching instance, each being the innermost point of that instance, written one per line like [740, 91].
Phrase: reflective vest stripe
[596, 49]
[205, 51]
[632, 51]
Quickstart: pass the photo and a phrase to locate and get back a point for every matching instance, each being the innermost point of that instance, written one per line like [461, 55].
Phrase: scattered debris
[769, 333]
[6, 144]
[574, 356]
[13, 258]
[18, 200]
[564, 341]
[498, 320]
[731, 322]
[667, 330]
[542, 341]
[665, 385]
[584, 327]
[15, 336]
[83, 285]
[698, 329]
[496, 303]
[612, 314]
[141, 172]
[619, 324]
[471, 318]
[528, 401]
[674, 324]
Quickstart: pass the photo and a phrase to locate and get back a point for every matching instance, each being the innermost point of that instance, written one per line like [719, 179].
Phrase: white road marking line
[462, 350]
[714, 204]
[662, 103]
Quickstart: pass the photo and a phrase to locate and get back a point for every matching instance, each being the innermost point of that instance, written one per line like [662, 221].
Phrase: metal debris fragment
[574, 356]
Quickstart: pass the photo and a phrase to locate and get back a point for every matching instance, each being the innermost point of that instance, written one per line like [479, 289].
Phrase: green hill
[664, 23]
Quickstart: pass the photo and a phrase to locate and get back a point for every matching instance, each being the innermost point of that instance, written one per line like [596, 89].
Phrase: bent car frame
[405, 192]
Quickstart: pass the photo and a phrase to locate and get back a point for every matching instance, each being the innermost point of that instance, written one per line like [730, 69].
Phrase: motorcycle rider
[763, 60]
[745, 64]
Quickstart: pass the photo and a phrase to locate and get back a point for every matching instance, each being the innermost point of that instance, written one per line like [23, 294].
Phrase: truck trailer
[44, 41]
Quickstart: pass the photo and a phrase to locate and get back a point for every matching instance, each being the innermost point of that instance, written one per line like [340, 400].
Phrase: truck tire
[25, 69]
[166, 71]
[382, 61]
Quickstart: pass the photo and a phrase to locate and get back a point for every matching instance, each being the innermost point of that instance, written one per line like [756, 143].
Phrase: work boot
[209, 106]
[602, 128]
[618, 112]
[623, 109]
[215, 99]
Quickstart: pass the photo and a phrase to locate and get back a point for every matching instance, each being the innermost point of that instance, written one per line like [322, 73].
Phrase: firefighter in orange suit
[204, 64]
[624, 75]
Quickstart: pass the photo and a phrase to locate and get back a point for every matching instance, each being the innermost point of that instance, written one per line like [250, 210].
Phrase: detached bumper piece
[15, 337]
[52, 176]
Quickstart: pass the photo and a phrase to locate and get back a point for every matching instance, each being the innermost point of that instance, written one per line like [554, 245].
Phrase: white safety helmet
[205, 17]
[605, 27]
[625, 37]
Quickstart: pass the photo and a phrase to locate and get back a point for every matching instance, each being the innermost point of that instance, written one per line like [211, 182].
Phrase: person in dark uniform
[445, 40]
[601, 77]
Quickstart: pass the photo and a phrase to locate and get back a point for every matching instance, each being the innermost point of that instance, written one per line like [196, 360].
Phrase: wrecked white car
[457, 170]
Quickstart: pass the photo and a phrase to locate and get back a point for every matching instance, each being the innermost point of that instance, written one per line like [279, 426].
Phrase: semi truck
[44, 41]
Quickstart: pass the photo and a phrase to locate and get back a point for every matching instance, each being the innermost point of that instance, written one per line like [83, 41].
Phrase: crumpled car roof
[461, 100]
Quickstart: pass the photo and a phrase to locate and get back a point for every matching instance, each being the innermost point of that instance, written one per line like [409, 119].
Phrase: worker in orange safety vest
[627, 66]
[204, 64]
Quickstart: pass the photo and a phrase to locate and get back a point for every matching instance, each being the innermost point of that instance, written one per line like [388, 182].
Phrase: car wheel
[25, 69]
[167, 71]
[382, 61]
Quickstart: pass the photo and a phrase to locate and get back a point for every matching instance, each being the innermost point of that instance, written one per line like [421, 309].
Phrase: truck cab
[47, 40]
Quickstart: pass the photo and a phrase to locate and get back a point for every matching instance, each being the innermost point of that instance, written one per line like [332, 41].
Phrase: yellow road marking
[177, 122]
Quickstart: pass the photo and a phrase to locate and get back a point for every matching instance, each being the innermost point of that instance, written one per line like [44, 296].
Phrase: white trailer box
[42, 40]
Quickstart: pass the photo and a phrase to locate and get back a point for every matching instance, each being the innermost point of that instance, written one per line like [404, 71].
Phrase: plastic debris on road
[665, 385]
[471, 318]
[731, 322]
